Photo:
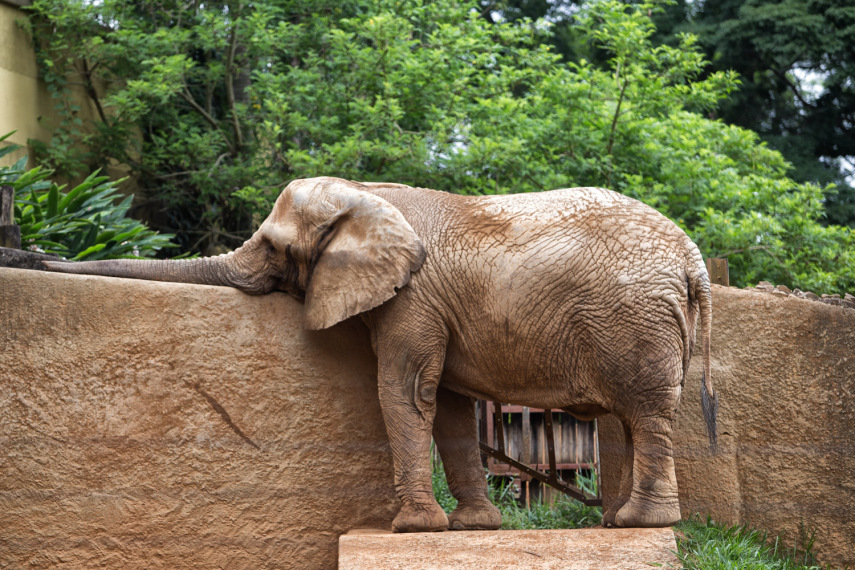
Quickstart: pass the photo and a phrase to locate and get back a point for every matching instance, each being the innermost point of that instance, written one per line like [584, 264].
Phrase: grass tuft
[563, 513]
[705, 544]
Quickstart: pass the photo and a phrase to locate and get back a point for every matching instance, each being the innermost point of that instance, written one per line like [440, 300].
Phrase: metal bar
[551, 479]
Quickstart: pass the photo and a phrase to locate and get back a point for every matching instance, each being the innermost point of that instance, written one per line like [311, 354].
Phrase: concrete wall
[784, 369]
[155, 425]
[148, 424]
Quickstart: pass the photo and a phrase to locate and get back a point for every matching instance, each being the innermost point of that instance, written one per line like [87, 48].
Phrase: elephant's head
[327, 241]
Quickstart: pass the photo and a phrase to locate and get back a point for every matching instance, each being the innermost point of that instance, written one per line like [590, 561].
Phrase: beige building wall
[25, 104]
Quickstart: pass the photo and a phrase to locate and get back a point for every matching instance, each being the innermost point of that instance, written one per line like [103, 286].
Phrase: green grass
[701, 544]
[563, 513]
[704, 544]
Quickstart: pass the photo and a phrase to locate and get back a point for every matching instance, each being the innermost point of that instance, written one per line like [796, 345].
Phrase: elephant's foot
[639, 512]
[610, 514]
[420, 518]
[478, 514]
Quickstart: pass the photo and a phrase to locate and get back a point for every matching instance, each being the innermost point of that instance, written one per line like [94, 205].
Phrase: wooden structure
[10, 234]
[717, 268]
[525, 440]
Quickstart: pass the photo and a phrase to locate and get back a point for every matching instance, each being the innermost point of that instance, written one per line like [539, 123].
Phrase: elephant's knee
[427, 394]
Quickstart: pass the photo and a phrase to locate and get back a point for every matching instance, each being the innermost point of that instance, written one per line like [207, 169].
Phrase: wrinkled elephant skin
[579, 299]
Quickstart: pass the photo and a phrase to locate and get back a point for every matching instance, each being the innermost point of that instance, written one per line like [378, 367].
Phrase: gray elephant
[579, 299]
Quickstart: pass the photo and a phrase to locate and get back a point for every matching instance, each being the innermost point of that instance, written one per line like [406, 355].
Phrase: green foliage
[88, 222]
[797, 60]
[169, 85]
[794, 58]
[215, 105]
[563, 513]
[709, 546]
[440, 485]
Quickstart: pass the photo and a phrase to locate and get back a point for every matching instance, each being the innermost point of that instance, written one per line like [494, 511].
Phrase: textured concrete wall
[161, 425]
[784, 369]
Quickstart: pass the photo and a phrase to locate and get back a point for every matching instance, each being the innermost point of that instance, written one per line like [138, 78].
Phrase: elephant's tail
[699, 287]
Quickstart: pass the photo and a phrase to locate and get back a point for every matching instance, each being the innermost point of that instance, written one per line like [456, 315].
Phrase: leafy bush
[88, 222]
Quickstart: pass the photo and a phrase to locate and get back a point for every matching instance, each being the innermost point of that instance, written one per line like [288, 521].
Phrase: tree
[434, 94]
[796, 60]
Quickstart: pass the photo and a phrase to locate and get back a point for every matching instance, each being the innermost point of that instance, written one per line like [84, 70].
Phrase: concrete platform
[591, 548]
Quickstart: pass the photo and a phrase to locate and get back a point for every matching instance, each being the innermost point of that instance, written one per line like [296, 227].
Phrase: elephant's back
[577, 271]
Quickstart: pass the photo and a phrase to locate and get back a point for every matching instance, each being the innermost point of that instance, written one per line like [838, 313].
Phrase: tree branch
[90, 90]
[230, 90]
[211, 120]
[794, 88]
[615, 121]
[752, 248]
[616, 116]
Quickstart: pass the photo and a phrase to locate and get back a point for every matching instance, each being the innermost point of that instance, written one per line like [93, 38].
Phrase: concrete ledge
[567, 549]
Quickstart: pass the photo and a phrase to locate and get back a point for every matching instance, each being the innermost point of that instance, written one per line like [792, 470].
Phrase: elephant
[580, 299]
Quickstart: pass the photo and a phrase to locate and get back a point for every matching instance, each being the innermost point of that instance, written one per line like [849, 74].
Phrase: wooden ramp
[592, 548]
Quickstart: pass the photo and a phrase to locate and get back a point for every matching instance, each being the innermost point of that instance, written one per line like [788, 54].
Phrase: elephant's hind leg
[653, 501]
[456, 434]
[625, 490]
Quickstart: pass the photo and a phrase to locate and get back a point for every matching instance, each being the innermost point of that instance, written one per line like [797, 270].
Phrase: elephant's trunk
[225, 270]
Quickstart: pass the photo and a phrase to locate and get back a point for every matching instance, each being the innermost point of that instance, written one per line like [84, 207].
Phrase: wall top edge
[18, 3]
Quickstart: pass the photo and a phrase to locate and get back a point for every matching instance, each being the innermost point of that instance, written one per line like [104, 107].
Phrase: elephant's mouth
[296, 293]
[288, 284]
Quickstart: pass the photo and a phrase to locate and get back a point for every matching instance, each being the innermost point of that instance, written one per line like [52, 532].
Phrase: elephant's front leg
[408, 392]
[456, 433]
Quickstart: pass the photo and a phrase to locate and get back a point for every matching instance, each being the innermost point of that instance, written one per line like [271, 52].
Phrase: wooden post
[10, 234]
[717, 268]
[526, 436]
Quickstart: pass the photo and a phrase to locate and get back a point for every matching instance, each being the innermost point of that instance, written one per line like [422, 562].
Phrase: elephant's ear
[370, 252]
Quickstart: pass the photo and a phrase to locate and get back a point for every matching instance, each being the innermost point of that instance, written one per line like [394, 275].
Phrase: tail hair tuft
[710, 407]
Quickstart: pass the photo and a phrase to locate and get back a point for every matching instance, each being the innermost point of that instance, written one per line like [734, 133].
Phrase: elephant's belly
[509, 379]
